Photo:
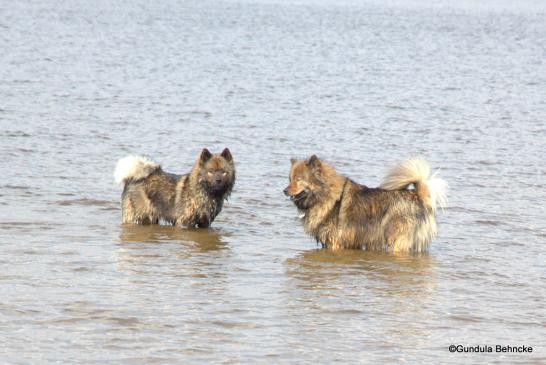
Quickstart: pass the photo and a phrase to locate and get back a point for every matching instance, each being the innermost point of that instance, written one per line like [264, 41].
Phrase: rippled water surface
[363, 85]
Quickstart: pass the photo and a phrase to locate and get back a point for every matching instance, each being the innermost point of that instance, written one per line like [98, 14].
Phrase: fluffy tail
[431, 189]
[134, 167]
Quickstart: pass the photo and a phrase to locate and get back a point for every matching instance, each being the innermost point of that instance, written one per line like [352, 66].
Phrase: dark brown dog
[151, 196]
[340, 213]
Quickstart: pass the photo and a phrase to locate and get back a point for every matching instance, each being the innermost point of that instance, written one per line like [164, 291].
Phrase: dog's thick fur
[340, 213]
[152, 196]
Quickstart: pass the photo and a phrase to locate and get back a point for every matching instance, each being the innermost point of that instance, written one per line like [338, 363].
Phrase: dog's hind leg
[127, 211]
[400, 245]
[397, 236]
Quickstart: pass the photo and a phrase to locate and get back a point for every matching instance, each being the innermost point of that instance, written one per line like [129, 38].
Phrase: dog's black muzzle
[301, 195]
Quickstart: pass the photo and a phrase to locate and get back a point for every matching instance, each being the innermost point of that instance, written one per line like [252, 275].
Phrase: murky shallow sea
[363, 85]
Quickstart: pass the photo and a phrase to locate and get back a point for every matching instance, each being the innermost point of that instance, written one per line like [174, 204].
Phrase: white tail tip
[134, 167]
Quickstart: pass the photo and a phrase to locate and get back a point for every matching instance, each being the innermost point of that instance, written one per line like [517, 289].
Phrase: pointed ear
[314, 163]
[293, 161]
[205, 155]
[226, 154]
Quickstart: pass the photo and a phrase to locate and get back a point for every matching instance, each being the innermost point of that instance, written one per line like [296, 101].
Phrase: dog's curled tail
[431, 189]
[134, 167]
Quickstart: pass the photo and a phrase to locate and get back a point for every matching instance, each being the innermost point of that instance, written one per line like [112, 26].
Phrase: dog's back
[386, 220]
[393, 217]
[150, 200]
[148, 192]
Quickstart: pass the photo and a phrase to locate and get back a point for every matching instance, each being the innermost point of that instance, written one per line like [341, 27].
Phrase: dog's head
[306, 184]
[216, 172]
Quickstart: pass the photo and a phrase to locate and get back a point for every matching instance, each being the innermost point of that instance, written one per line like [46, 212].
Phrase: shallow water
[362, 84]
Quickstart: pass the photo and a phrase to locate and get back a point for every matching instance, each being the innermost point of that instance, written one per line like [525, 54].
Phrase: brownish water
[363, 85]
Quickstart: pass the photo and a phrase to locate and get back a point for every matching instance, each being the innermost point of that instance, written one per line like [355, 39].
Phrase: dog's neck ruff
[336, 207]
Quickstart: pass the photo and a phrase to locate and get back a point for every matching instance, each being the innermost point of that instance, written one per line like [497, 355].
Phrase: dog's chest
[202, 211]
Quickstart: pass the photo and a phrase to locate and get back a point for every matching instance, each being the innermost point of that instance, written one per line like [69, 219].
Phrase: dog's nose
[285, 191]
[218, 181]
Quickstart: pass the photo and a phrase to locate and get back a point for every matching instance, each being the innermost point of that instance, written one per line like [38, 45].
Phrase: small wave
[488, 222]
[16, 187]
[85, 201]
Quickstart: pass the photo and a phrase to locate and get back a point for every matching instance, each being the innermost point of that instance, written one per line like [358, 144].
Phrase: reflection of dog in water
[197, 239]
[151, 195]
[341, 213]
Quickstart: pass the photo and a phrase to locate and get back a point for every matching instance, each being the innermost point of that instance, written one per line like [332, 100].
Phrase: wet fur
[152, 196]
[341, 213]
